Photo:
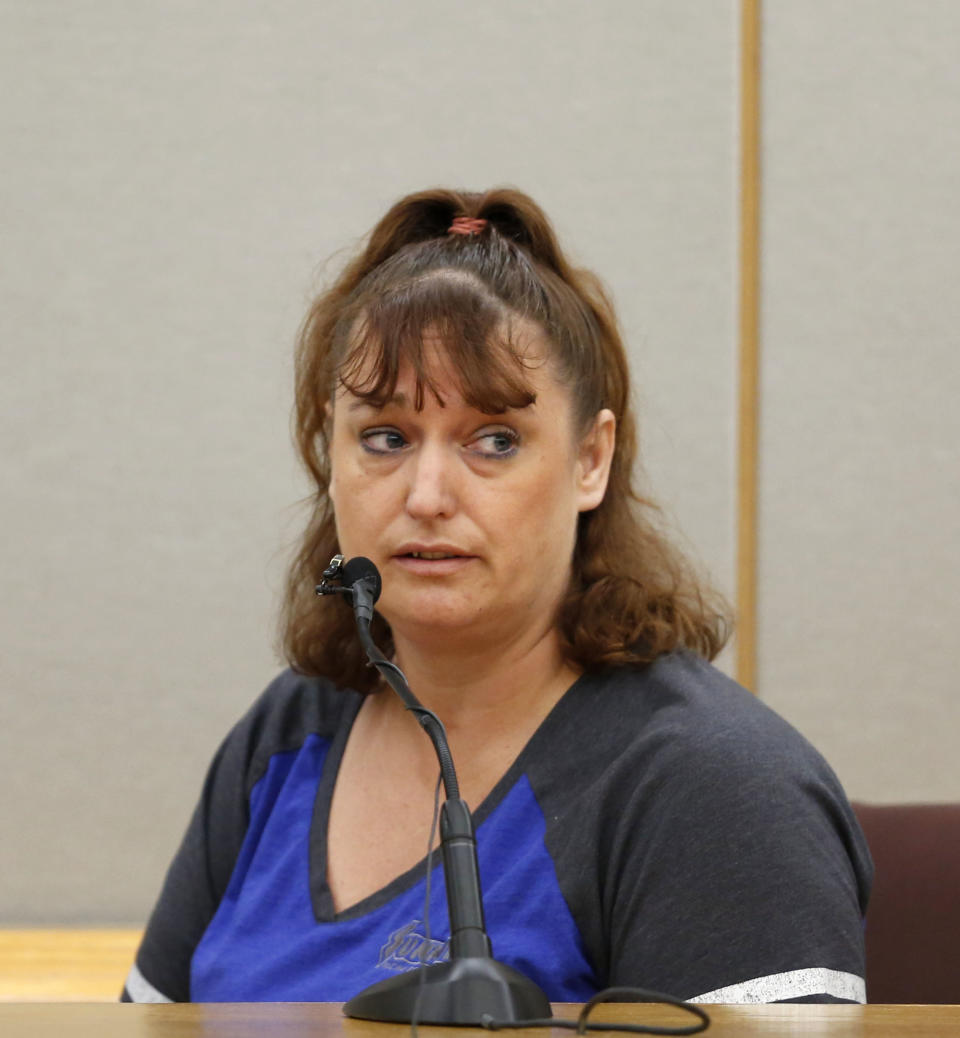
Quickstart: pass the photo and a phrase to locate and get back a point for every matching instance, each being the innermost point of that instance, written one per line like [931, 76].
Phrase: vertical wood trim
[749, 348]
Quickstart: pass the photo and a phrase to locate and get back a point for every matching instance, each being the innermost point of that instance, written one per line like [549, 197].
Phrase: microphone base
[462, 991]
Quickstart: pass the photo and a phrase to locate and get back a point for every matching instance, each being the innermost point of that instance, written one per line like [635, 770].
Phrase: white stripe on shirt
[141, 990]
[796, 984]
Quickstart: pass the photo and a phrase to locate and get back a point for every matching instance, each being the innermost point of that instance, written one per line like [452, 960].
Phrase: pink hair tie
[467, 225]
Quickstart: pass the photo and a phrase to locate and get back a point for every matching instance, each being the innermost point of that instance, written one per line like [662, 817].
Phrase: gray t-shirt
[662, 828]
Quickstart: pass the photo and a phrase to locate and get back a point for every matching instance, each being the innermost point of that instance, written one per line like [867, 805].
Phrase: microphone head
[361, 568]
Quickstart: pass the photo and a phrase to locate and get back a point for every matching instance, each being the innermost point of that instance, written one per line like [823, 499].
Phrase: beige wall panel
[860, 441]
[176, 176]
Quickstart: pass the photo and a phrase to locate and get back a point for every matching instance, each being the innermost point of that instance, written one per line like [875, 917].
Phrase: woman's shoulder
[680, 718]
[682, 687]
[291, 709]
[316, 698]
[678, 743]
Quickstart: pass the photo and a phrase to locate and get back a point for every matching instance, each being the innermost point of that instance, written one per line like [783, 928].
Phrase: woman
[463, 409]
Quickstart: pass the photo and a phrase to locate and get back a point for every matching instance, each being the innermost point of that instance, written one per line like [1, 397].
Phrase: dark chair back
[913, 921]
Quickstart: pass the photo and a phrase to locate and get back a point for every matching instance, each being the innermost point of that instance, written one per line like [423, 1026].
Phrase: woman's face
[470, 517]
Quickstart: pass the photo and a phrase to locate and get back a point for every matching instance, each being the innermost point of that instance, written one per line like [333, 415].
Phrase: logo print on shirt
[407, 947]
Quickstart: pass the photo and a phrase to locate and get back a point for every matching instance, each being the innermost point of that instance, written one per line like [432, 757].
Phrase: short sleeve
[742, 875]
[200, 871]
[196, 878]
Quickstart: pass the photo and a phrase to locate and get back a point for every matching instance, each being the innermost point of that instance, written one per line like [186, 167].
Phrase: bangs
[476, 334]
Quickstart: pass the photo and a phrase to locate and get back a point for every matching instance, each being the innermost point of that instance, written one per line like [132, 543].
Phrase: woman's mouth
[437, 562]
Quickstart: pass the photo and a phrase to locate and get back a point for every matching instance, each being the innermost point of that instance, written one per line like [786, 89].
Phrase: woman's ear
[594, 459]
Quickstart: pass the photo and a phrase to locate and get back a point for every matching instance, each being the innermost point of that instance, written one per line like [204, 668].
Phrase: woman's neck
[490, 703]
[463, 684]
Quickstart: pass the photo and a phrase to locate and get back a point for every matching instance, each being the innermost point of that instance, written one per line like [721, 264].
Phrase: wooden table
[325, 1020]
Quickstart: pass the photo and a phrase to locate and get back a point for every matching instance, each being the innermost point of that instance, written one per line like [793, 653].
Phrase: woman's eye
[382, 441]
[501, 443]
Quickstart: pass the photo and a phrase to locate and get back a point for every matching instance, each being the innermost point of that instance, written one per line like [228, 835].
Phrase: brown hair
[632, 595]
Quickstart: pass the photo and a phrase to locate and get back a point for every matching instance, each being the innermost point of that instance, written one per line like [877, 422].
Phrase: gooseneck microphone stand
[472, 987]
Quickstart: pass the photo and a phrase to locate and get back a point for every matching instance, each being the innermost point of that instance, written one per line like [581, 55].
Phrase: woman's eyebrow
[401, 400]
[360, 402]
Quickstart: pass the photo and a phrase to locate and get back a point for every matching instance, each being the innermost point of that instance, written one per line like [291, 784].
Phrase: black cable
[426, 908]
[620, 994]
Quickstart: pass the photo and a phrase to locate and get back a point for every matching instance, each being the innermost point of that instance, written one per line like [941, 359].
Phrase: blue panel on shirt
[265, 944]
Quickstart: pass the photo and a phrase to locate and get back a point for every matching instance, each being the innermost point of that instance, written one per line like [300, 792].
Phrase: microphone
[472, 988]
[363, 577]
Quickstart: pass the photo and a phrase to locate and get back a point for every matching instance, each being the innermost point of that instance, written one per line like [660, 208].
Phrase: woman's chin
[430, 620]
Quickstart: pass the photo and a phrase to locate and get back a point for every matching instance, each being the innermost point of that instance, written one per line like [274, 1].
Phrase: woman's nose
[431, 492]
